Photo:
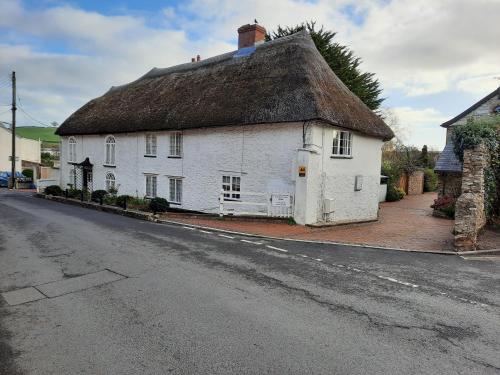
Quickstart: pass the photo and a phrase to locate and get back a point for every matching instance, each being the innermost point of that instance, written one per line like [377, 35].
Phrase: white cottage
[270, 117]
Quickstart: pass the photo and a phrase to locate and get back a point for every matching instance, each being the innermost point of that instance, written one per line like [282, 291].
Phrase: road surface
[105, 294]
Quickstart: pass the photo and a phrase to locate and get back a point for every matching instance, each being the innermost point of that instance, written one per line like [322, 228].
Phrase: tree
[342, 61]
[424, 157]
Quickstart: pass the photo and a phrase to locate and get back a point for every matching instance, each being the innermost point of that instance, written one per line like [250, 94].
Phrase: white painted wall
[265, 156]
[262, 155]
[334, 178]
[26, 149]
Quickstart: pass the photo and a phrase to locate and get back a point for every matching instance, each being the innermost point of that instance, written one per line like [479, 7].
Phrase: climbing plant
[484, 130]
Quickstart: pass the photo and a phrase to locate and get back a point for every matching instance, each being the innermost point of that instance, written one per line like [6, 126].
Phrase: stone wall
[449, 184]
[416, 183]
[470, 216]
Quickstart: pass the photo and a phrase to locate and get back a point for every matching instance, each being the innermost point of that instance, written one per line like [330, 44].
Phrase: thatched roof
[285, 80]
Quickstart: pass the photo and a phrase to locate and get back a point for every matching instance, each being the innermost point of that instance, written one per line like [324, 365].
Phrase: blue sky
[433, 58]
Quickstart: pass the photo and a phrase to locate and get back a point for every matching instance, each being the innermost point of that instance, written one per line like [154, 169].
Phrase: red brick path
[407, 224]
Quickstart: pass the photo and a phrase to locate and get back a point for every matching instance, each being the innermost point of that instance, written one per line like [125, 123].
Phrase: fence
[257, 204]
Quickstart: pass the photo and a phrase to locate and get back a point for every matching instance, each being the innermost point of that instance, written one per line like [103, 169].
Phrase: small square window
[231, 185]
[342, 144]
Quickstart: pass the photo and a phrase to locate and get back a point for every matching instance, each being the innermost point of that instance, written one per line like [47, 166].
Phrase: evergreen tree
[424, 157]
[342, 61]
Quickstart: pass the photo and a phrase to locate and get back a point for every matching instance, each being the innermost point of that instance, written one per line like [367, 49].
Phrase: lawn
[46, 135]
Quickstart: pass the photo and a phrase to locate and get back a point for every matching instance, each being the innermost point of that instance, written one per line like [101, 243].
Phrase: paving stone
[78, 283]
[19, 296]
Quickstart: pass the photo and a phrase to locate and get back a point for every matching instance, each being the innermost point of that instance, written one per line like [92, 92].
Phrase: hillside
[46, 135]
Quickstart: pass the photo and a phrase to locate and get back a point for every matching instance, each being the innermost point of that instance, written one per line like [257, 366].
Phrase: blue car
[4, 178]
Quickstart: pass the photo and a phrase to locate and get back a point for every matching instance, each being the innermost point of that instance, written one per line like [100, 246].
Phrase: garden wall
[470, 215]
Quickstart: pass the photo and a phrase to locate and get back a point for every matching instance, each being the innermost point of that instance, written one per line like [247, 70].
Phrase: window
[175, 190]
[176, 144]
[72, 182]
[150, 145]
[110, 150]
[231, 185]
[151, 186]
[110, 181]
[342, 144]
[72, 149]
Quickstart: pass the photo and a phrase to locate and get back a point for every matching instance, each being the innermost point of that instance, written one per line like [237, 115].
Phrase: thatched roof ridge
[285, 80]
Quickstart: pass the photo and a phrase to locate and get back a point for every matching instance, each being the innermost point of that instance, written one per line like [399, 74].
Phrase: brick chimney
[250, 35]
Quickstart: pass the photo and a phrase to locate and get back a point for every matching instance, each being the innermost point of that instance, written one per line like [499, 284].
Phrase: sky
[433, 58]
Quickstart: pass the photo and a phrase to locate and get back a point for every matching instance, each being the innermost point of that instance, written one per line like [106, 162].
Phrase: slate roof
[284, 80]
[471, 108]
[447, 161]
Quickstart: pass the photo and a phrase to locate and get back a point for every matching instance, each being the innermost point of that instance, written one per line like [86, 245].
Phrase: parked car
[21, 179]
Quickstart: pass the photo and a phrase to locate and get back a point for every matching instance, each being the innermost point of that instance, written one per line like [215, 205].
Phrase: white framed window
[72, 175]
[176, 144]
[342, 144]
[110, 150]
[175, 189]
[231, 186]
[151, 185]
[150, 145]
[72, 149]
[110, 181]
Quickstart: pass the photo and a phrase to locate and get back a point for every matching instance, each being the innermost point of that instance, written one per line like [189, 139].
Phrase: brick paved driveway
[407, 224]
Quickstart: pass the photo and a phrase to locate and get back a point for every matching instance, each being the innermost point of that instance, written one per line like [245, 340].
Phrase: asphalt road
[123, 296]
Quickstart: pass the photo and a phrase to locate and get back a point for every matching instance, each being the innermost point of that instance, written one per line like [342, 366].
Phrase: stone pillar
[470, 215]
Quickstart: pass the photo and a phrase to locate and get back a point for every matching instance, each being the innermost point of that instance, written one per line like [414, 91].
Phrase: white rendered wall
[26, 149]
[334, 178]
[263, 155]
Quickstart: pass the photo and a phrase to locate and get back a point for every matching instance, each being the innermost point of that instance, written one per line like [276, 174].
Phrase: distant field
[46, 135]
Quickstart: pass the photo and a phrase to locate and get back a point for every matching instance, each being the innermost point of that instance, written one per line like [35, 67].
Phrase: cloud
[65, 56]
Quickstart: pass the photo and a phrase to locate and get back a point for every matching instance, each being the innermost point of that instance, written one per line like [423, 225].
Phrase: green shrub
[120, 200]
[54, 190]
[110, 199]
[394, 194]
[97, 195]
[430, 180]
[28, 173]
[74, 193]
[158, 205]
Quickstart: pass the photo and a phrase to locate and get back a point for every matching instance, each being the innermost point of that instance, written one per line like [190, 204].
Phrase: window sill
[109, 166]
[174, 157]
[150, 156]
[340, 157]
[175, 203]
[72, 162]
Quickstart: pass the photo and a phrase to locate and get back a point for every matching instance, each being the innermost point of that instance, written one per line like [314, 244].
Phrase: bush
[54, 190]
[446, 205]
[74, 193]
[28, 173]
[120, 200]
[394, 194]
[430, 180]
[158, 205]
[97, 195]
[110, 199]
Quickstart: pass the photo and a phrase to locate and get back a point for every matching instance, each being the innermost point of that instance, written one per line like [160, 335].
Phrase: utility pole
[13, 130]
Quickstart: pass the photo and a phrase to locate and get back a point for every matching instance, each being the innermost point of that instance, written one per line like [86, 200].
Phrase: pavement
[90, 292]
[407, 224]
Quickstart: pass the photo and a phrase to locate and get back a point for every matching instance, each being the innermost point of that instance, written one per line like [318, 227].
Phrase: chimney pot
[250, 35]
[198, 58]
[192, 59]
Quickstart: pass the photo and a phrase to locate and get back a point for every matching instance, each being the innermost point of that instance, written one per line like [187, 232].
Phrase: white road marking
[302, 255]
[225, 236]
[204, 231]
[277, 248]
[318, 259]
[190, 228]
[252, 242]
[398, 281]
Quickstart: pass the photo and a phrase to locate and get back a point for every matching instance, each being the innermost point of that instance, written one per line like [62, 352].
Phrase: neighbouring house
[27, 152]
[270, 117]
[448, 167]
